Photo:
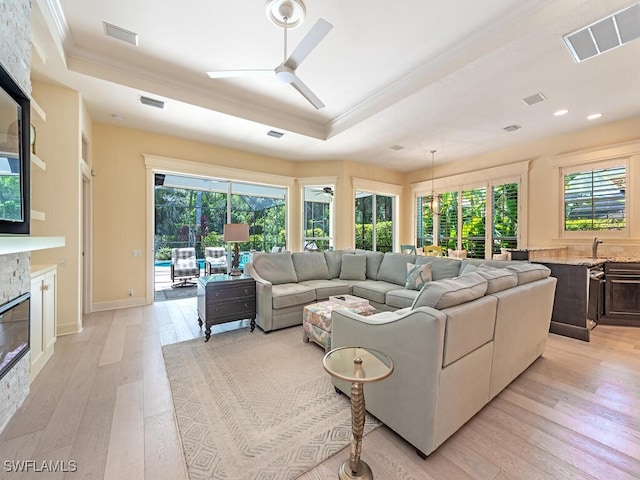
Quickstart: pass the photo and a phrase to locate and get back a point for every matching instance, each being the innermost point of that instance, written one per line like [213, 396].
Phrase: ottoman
[316, 320]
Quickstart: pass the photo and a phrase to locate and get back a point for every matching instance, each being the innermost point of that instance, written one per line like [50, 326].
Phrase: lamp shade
[236, 232]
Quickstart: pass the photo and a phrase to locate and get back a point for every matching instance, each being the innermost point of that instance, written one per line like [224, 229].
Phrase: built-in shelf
[35, 106]
[18, 243]
[38, 215]
[38, 162]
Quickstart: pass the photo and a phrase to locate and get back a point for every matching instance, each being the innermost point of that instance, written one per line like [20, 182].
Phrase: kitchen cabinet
[43, 316]
[622, 294]
[577, 304]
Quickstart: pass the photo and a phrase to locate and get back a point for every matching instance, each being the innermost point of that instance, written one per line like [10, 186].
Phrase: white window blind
[595, 199]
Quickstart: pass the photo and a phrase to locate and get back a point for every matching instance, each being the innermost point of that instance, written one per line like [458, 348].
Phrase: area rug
[174, 293]
[256, 405]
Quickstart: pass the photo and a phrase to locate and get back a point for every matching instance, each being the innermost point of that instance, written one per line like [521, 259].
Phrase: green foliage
[163, 253]
[213, 239]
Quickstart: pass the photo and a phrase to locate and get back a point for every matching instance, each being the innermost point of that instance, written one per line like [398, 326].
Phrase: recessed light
[594, 116]
[559, 113]
[116, 117]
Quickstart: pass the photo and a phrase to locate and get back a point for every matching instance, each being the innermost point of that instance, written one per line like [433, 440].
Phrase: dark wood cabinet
[622, 294]
[223, 298]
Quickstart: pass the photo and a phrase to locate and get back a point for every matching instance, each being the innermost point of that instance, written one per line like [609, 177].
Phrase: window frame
[585, 166]
[379, 188]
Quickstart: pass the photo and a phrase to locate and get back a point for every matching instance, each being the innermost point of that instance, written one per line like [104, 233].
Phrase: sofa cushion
[374, 259]
[393, 268]
[276, 268]
[291, 294]
[417, 276]
[354, 267]
[334, 262]
[327, 288]
[452, 291]
[529, 272]
[465, 266]
[441, 267]
[401, 298]
[498, 279]
[374, 290]
[310, 266]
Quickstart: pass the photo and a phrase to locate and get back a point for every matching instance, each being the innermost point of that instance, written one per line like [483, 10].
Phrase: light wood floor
[104, 402]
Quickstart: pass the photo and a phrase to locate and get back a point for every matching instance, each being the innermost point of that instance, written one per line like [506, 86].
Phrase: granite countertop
[587, 261]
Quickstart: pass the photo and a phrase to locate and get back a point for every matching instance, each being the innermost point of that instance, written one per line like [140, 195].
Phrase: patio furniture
[184, 266]
[215, 260]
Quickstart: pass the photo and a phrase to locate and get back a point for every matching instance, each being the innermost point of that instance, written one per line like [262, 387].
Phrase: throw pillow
[354, 267]
[418, 275]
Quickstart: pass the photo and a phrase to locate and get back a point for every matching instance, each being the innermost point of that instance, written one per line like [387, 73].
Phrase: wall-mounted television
[15, 128]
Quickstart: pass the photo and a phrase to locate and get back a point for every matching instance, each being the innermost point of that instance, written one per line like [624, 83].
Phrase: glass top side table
[358, 365]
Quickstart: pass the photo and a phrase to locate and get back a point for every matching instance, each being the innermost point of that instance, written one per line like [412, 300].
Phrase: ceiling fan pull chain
[285, 39]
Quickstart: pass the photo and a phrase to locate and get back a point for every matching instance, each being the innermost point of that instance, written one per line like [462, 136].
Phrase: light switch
[137, 253]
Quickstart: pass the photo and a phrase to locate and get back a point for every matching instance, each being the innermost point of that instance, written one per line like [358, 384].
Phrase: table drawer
[236, 308]
[232, 291]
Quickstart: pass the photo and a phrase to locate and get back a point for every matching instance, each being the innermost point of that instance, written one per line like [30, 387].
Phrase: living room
[97, 266]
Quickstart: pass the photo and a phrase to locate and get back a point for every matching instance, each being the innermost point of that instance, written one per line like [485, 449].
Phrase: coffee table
[358, 365]
[316, 320]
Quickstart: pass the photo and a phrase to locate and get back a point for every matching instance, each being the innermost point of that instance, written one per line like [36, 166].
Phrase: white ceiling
[424, 74]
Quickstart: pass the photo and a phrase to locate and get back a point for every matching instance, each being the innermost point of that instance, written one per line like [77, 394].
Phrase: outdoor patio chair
[408, 249]
[215, 260]
[184, 266]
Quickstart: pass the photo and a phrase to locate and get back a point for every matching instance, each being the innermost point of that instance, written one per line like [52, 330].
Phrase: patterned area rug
[256, 406]
[173, 293]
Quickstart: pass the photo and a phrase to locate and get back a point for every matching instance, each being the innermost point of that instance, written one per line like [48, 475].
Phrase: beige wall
[543, 180]
[57, 193]
[120, 220]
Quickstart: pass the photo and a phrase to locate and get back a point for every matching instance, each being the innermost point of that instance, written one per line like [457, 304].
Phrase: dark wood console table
[223, 298]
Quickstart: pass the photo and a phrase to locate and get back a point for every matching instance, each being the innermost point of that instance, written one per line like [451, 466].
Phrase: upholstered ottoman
[316, 320]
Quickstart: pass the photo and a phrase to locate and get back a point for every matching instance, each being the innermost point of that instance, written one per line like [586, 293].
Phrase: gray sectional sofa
[456, 343]
[286, 282]
[461, 343]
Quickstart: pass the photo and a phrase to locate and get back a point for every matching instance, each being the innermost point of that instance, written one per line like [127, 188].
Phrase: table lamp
[236, 232]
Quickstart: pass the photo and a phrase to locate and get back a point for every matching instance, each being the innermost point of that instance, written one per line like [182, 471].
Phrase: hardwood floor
[103, 402]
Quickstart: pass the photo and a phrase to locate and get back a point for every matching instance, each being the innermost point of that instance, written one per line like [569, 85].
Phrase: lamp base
[235, 272]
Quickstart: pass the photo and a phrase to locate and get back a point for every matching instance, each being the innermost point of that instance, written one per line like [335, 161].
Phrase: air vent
[152, 102]
[274, 134]
[396, 147]
[512, 128]
[605, 34]
[120, 33]
[533, 99]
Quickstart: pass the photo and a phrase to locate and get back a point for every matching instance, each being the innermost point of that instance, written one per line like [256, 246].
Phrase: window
[474, 207]
[461, 219]
[447, 220]
[318, 202]
[374, 221]
[504, 216]
[595, 199]
[192, 211]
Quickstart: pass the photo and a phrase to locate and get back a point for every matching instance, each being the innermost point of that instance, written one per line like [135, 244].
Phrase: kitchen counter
[587, 261]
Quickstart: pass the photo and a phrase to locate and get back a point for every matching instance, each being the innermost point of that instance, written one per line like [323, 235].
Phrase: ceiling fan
[326, 192]
[288, 13]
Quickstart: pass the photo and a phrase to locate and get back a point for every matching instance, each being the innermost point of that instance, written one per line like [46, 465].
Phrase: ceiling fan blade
[308, 43]
[300, 86]
[239, 73]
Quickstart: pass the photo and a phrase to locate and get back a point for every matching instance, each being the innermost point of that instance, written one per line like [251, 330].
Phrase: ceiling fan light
[284, 74]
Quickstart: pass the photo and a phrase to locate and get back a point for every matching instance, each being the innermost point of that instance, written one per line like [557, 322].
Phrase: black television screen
[14, 157]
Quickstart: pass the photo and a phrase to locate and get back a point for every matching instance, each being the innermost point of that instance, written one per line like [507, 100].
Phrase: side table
[358, 365]
[223, 298]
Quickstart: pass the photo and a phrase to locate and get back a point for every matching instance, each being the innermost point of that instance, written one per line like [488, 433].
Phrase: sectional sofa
[456, 343]
[286, 282]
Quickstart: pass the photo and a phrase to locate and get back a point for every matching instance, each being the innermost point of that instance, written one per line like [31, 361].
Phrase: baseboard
[129, 302]
[68, 329]
[573, 331]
